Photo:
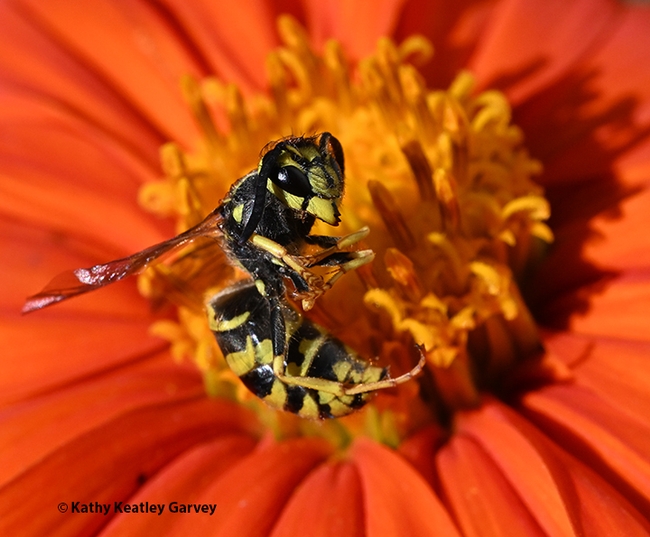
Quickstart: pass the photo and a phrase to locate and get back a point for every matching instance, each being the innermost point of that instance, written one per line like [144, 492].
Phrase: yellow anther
[536, 206]
[381, 300]
[402, 271]
[194, 98]
[390, 214]
[542, 231]
[415, 49]
[462, 86]
[464, 319]
[494, 108]
[432, 302]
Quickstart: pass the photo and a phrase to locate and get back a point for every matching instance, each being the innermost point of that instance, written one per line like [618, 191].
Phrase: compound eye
[293, 181]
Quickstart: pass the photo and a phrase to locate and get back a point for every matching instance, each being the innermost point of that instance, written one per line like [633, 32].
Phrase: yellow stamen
[389, 212]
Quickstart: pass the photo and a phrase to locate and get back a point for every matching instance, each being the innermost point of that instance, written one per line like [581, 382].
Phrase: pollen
[440, 176]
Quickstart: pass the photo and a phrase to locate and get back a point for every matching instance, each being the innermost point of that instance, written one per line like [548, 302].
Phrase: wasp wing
[79, 281]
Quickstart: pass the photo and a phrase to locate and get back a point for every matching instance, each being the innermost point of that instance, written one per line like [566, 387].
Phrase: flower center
[441, 178]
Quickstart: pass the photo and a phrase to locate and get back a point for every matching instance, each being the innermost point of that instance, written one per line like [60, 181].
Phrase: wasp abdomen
[311, 377]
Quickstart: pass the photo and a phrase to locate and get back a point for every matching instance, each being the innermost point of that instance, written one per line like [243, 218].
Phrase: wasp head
[305, 174]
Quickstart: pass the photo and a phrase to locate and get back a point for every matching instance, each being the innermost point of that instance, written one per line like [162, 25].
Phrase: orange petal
[613, 442]
[63, 129]
[598, 271]
[634, 166]
[31, 430]
[599, 112]
[109, 463]
[478, 495]
[32, 63]
[563, 496]
[553, 294]
[530, 44]
[340, 19]
[216, 31]
[79, 181]
[182, 481]
[419, 448]
[43, 351]
[397, 499]
[253, 492]
[327, 503]
[604, 513]
[622, 109]
[130, 49]
[619, 372]
[622, 310]
[82, 337]
[569, 348]
[534, 474]
[30, 257]
[454, 28]
[620, 243]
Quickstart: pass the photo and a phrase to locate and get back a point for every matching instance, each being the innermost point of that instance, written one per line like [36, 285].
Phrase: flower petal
[30, 257]
[397, 499]
[134, 446]
[532, 472]
[327, 502]
[530, 44]
[619, 244]
[31, 64]
[74, 180]
[622, 109]
[182, 481]
[614, 444]
[36, 427]
[44, 351]
[622, 310]
[564, 496]
[478, 495]
[130, 49]
[619, 372]
[597, 115]
[231, 38]
[339, 19]
[253, 492]
[454, 28]
[418, 450]
[604, 513]
[89, 334]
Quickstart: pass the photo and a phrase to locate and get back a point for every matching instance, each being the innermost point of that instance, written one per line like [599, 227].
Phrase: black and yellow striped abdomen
[309, 378]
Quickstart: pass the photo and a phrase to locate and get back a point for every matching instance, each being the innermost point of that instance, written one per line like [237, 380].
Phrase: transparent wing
[79, 281]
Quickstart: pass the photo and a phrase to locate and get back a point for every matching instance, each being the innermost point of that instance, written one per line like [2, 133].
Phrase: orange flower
[496, 438]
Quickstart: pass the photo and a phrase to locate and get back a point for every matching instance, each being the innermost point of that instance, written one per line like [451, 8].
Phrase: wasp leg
[333, 245]
[292, 261]
[389, 382]
[301, 264]
[354, 261]
[337, 388]
[334, 256]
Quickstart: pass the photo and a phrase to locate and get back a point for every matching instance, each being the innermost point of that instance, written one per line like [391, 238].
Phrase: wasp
[264, 226]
